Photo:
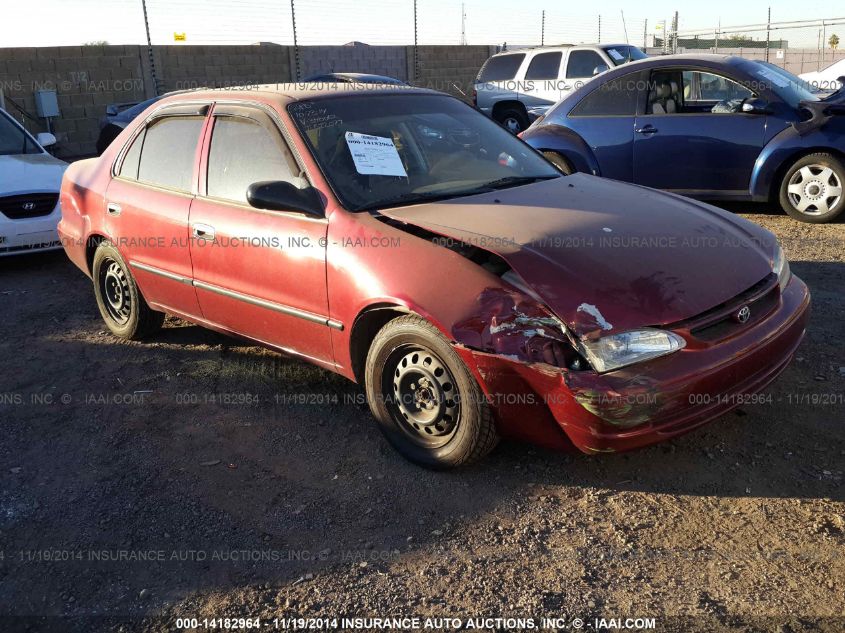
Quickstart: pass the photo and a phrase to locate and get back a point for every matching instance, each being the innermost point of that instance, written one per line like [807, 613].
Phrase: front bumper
[29, 235]
[646, 403]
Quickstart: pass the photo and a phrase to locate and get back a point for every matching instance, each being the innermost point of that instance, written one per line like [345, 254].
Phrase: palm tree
[833, 41]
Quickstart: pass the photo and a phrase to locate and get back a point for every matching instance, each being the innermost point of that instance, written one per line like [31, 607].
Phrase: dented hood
[607, 256]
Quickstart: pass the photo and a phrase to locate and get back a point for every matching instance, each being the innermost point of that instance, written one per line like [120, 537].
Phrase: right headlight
[780, 266]
[626, 348]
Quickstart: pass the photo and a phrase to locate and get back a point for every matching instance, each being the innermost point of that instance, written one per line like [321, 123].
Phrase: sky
[73, 22]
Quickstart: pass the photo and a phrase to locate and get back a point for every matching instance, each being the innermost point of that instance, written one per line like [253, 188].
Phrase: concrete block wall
[85, 78]
[88, 78]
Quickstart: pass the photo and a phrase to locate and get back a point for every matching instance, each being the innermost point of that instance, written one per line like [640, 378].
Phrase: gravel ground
[196, 476]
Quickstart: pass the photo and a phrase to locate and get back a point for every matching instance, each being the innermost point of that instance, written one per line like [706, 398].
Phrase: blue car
[705, 126]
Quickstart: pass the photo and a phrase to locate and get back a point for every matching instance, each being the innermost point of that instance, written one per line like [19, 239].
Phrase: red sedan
[400, 238]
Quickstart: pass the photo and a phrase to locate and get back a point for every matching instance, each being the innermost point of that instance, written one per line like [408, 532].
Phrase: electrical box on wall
[46, 104]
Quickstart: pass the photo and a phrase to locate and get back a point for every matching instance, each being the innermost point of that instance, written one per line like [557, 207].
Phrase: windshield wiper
[410, 198]
[512, 181]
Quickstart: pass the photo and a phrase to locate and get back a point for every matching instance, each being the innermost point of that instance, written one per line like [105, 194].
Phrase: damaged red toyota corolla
[405, 241]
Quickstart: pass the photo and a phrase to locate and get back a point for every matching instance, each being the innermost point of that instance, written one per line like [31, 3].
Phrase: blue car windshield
[787, 86]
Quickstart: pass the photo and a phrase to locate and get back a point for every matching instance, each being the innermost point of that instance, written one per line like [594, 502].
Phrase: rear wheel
[121, 305]
[426, 402]
[811, 190]
[559, 161]
[512, 119]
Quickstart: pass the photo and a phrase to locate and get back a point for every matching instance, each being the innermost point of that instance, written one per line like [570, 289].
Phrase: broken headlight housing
[780, 266]
[626, 348]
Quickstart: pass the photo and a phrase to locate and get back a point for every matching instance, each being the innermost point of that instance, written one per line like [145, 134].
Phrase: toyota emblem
[28, 206]
[743, 315]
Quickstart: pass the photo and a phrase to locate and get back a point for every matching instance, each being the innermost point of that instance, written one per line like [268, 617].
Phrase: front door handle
[648, 129]
[113, 209]
[203, 232]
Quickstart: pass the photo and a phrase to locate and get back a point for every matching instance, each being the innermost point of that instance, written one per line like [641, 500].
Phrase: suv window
[583, 63]
[168, 151]
[617, 97]
[243, 152]
[544, 66]
[501, 67]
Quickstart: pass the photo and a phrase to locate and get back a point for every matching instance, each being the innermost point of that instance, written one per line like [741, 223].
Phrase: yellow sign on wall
[179, 37]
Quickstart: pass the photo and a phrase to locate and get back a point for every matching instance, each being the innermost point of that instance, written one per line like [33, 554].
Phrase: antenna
[624, 26]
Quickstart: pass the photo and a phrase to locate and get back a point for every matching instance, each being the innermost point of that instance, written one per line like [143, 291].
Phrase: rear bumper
[29, 235]
[643, 404]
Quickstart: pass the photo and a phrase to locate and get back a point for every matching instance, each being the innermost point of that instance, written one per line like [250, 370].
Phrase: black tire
[559, 161]
[459, 428]
[513, 119]
[807, 181]
[121, 304]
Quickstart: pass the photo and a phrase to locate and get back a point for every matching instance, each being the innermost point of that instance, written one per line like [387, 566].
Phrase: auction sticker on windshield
[375, 155]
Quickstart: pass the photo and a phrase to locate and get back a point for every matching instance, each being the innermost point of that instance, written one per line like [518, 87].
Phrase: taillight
[520, 135]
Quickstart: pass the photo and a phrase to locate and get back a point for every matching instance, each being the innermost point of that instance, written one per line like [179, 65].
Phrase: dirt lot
[195, 476]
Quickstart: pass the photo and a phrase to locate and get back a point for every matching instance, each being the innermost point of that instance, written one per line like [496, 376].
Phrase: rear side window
[501, 67]
[617, 97]
[584, 64]
[544, 66]
[168, 152]
[243, 152]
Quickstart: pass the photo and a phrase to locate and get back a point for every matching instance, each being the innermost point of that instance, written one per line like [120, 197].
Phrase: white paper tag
[375, 155]
[615, 54]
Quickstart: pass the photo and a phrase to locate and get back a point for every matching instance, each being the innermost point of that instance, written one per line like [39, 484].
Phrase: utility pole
[768, 32]
[150, 49]
[599, 40]
[463, 25]
[675, 33]
[543, 29]
[645, 33]
[295, 44]
[718, 28]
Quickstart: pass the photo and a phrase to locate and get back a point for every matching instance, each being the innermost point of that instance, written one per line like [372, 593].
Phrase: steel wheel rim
[114, 287]
[815, 190]
[423, 395]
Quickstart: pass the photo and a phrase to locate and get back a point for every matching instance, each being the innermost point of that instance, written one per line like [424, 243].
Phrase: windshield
[387, 150]
[13, 140]
[623, 54]
[786, 85]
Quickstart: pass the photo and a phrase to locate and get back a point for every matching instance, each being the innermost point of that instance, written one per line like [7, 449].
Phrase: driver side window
[694, 92]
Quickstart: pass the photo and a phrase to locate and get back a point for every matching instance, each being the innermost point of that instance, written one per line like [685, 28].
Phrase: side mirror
[45, 139]
[111, 110]
[755, 105]
[599, 69]
[281, 195]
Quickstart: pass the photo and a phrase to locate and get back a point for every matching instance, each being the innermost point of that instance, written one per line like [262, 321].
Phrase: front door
[259, 273]
[694, 138]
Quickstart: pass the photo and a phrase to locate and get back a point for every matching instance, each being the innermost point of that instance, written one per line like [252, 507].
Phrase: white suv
[515, 87]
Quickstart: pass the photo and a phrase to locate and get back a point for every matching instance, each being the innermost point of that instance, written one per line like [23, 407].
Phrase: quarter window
[243, 152]
[501, 67]
[617, 97]
[584, 64]
[168, 152]
[544, 66]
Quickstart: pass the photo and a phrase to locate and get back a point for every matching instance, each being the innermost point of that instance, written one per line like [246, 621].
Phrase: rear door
[148, 203]
[693, 137]
[257, 272]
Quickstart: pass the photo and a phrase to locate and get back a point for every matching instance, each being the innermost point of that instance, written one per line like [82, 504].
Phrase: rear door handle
[648, 129]
[203, 232]
[113, 209]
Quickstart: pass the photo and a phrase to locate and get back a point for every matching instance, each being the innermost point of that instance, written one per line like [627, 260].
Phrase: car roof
[285, 93]
[558, 47]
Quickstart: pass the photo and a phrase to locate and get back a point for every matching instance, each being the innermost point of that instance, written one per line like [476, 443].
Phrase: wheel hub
[815, 189]
[115, 290]
[425, 396]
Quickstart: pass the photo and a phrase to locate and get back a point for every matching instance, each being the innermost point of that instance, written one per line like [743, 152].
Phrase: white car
[827, 78]
[30, 180]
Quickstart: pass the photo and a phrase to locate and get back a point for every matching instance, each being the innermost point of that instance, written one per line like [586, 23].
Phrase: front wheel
[426, 402]
[513, 120]
[559, 161]
[811, 190]
[121, 305]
